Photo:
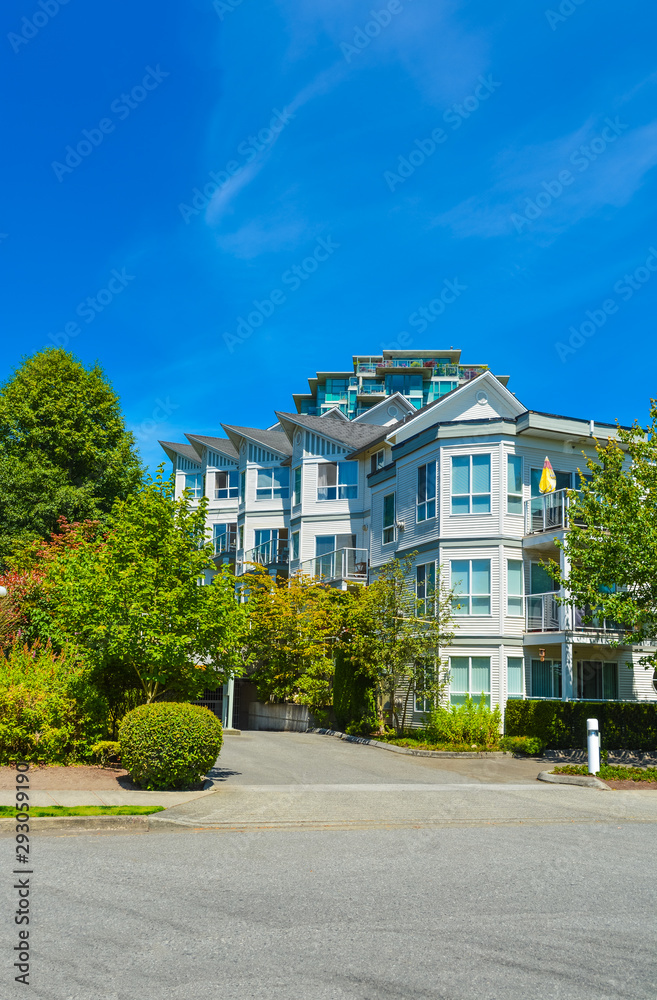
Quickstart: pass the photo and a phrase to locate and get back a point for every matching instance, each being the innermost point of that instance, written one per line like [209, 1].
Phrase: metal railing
[372, 390]
[341, 564]
[225, 543]
[542, 613]
[465, 372]
[271, 553]
[548, 512]
[595, 624]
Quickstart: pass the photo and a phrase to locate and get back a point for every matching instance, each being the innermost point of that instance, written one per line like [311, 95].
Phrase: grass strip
[611, 772]
[10, 811]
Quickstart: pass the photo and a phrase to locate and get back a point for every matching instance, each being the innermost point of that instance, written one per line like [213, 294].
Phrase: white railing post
[593, 745]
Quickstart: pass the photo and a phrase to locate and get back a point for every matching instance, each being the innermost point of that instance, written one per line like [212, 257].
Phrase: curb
[80, 824]
[589, 781]
[407, 750]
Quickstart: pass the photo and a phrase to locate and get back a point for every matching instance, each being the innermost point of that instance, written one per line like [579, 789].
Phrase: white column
[566, 614]
[227, 704]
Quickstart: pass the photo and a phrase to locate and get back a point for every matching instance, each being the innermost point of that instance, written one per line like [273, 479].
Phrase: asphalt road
[410, 881]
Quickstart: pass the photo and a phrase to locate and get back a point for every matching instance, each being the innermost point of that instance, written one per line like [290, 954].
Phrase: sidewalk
[118, 797]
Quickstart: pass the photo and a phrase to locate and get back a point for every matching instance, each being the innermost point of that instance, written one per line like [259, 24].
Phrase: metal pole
[593, 745]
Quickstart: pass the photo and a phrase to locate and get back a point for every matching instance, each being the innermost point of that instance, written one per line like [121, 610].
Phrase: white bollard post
[593, 745]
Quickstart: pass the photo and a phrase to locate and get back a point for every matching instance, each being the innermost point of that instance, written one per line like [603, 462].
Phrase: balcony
[548, 512]
[542, 613]
[225, 544]
[272, 553]
[371, 390]
[341, 564]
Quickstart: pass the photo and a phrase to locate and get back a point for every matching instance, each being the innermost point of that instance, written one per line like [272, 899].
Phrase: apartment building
[457, 483]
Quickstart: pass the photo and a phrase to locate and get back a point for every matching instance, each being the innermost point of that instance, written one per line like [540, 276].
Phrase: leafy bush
[50, 713]
[106, 752]
[470, 723]
[611, 772]
[169, 744]
[561, 725]
[530, 745]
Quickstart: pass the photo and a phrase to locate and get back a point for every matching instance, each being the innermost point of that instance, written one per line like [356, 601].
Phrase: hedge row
[561, 725]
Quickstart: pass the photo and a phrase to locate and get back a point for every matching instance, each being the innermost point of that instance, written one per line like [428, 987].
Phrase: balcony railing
[548, 512]
[271, 553]
[371, 390]
[542, 613]
[225, 543]
[464, 372]
[341, 564]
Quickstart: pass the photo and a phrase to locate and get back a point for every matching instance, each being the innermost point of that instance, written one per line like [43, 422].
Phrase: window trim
[283, 491]
[197, 489]
[427, 598]
[475, 696]
[517, 597]
[515, 695]
[338, 485]
[389, 529]
[458, 598]
[423, 507]
[471, 494]
[296, 546]
[296, 486]
[555, 694]
[231, 492]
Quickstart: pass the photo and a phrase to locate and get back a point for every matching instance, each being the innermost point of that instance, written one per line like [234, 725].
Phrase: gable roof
[222, 445]
[276, 440]
[346, 432]
[394, 407]
[173, 448]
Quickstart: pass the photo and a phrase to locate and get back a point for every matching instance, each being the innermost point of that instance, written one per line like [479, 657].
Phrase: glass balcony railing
[542, 613]
[272, 553]
[371, 390]
[225, 543]
[341, 564]
[548, 512]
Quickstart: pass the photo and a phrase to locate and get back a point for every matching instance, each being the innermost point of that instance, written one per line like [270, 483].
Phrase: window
[471, 586]
[546, 678]
[337, 481]
[426, 491]
[242, 486]
[324, 544]
[514, 484]
[424, 677]
[224, 537]
[596, 681]
[194, 483]
[564, 481]
[241, 533]
[388, 518]
[471, 484]
[273, 484]
[514, 672]
[514, 587]
[425, 589]
[225, 485]
[377, 461]
[295, 544]
[469, 676]
[296, 498]
[405, 384]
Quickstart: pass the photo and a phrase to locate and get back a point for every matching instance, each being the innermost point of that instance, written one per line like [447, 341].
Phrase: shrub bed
[169, 744]
[611, 772]
[561, 725]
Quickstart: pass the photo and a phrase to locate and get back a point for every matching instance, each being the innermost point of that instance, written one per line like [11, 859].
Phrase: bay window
[426, 491]
[337, 481]
[471, 484]
[470, 582]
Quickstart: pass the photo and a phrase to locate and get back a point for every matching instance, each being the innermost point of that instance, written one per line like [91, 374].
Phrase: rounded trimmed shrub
[169, 744]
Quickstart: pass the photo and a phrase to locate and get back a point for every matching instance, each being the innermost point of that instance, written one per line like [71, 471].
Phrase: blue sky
[510, 148]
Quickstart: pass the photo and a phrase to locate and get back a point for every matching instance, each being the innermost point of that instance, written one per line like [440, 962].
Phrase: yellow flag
[548, 479]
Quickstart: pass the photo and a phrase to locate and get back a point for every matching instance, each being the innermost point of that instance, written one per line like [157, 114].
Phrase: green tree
[133, 604]
[293, 628]
[611, 543]
[64, 447]
[395, 643]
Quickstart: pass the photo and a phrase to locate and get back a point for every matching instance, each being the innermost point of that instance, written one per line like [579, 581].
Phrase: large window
[471, 484]
[514, 587]
[273, 484]
[337, 481]
[469, 675]
[470, 581]
[297, 485]
[514, 677]
[426, 491]
[596, 680]
[388, 518]
[194, 483]
[295, 545]
[377, 461]
[514, 484]
[425, 589]
[226, 485]
[242, 486]
[546, 678]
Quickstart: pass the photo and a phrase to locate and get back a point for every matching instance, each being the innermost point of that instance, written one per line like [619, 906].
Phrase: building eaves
[173, 448]
[355, 436]
[276, 440]
[221, 445]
